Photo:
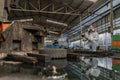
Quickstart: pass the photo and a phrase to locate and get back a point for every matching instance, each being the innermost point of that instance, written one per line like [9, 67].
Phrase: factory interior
[59, 39]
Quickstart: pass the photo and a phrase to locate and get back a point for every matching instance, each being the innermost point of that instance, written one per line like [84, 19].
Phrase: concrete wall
[17, 38]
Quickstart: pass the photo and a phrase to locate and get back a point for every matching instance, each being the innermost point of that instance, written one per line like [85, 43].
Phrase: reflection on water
[105, 62]
[63, 73]
[102, 62]
[61, 63]
[19, 76]
[37, 74]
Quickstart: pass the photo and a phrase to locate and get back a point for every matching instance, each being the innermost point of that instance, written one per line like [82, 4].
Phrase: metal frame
[52, 8]
[68, 9]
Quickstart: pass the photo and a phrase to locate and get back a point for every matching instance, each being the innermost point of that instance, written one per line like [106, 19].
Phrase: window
[103, 20]
[117, 13]
[99, 22]
[108, 18]
[94, 24]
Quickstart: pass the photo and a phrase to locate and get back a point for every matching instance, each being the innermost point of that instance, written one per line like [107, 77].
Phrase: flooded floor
[19, 76]
[10, 72]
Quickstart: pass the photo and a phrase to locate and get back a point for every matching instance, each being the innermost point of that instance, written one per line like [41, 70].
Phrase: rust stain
[3, 26]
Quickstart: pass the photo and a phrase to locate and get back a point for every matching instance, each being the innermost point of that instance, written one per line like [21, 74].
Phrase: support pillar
[111, 17]
[2, 4]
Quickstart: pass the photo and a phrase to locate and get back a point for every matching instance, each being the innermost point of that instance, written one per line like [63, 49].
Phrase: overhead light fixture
[24, 20]
[56, 22]
[53, 32]
[93, 1]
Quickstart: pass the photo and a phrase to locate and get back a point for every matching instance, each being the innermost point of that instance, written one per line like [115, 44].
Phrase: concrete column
[3, 12]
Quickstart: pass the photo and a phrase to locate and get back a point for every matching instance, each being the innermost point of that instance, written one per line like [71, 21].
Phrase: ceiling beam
[81, 13]
[43, 9]
[61, 16]
[76, 8]
[74, 19]
[49, 12]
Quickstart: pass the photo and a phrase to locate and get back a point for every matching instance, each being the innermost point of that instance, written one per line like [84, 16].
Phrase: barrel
[116, 38]
[116, 64]
[116, 42]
